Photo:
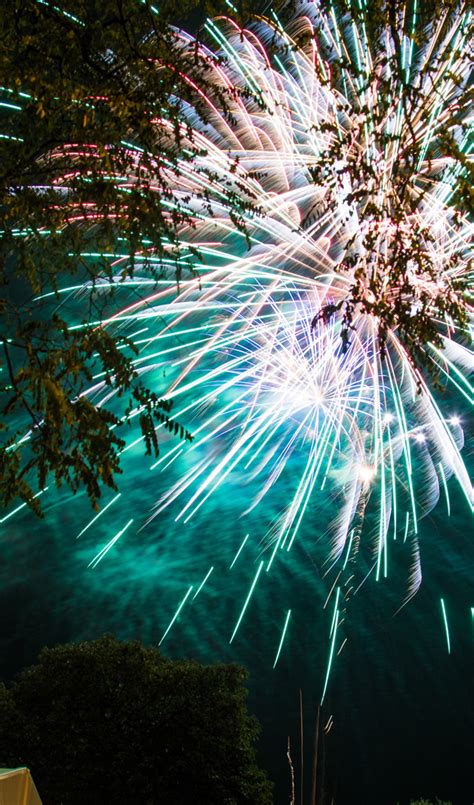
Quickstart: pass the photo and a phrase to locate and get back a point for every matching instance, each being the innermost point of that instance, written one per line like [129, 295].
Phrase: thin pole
[292, 772]
[302, 747]
[315, 757]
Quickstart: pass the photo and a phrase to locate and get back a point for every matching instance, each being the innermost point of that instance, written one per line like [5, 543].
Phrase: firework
[293, 200]
[261, 380]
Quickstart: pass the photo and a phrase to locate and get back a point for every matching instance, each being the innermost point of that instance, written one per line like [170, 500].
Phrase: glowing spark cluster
[261, 383]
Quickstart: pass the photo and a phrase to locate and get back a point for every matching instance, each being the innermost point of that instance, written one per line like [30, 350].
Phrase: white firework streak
[267, 384]
[263, 387]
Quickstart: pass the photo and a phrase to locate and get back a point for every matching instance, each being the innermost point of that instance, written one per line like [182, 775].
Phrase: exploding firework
[260, 384]
[323, 242]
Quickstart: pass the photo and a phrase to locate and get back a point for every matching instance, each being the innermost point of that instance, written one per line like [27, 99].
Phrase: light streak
[99, 514]
[280, 646]
[239, 621]
[333, 632]
[202, 583]
[98, 558]
[176, 614]
[239, 551]
[445, 621]
[21, 506]
[445, 487]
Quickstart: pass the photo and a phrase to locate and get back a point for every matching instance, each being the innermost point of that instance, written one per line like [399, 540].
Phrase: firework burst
[344, 213]
[324, 262]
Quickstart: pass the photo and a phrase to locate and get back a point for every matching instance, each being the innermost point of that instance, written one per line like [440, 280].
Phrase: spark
[239, 551]
[333, 632]
[98, 558]
[246, 602]
[202, 583]
[280, 646]
[366, 473]
[176, 614]
[21, 506]
[102, 511]
[445, 620]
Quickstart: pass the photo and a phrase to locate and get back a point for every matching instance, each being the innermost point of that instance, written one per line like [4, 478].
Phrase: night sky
[401, 705]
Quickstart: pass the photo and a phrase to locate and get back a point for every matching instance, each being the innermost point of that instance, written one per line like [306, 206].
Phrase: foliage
[90, 95]
[429, 802]
[392, 140]
[91, 132]
[109, 721]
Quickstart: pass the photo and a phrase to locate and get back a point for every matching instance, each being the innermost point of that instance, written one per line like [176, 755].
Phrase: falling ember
[446, 627]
